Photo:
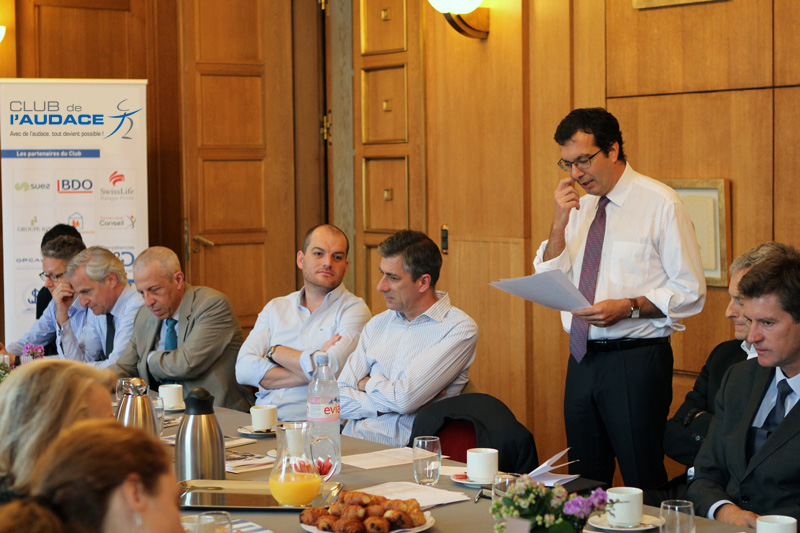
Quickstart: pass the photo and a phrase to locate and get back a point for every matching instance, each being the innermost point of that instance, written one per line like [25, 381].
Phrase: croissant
[395, 505]
[399, 519]
[311, 515]
[417, 517]
[377, 524]
[354, 498]
[353, 511]
[349, 525]
[336, 508]
[326, 522]
[375, 510]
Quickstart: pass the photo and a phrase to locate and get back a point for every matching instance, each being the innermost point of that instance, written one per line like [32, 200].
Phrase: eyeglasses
[582, 162]
[52, 277]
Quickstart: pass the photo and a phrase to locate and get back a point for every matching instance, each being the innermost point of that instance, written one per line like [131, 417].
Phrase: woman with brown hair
[37, 401]
[99, 476]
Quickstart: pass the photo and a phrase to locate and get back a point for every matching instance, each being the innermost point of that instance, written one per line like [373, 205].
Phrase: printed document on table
[551, 289]
[426, 496]
[544, 472]
[380, 459]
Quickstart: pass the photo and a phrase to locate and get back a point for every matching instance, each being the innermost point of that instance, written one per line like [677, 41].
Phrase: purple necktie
[579, 330]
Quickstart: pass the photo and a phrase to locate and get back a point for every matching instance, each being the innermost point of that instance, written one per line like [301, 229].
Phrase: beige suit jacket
[209, 338]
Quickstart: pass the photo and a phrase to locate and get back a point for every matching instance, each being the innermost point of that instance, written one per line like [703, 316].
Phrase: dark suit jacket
[770, 482]
[209, 338]
[683, 442]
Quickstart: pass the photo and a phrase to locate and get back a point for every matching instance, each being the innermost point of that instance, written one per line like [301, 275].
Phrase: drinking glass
[427, 460]
[502, 482]
[121, 384]
[677, 516]
[158, 405]
[208, 522]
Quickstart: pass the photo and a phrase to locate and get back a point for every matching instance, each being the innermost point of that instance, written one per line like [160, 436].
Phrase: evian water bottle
[322, 409]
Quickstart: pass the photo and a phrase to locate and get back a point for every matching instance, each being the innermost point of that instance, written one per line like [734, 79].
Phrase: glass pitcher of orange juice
[295, 480]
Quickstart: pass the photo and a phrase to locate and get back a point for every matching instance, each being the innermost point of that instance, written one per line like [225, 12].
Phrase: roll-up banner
[74, 152]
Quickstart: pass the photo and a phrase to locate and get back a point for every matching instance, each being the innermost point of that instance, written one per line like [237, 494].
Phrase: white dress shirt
[285, 321]
[91, 345]
[650, 250]
[44, 329]
[409, 364]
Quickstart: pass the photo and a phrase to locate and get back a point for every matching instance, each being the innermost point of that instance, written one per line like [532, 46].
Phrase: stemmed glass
[158, 405]
[208, 522]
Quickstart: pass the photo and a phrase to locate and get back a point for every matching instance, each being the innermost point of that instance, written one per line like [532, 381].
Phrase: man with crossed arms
[277, 356]
[417, 351]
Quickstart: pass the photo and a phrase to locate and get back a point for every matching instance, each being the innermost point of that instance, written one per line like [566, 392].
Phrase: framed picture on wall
[646, 4]
[708, 204]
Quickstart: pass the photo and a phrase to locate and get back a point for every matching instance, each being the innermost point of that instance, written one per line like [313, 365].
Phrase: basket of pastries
[359, 512]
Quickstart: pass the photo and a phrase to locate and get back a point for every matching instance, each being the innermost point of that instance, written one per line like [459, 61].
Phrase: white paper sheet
[426, 496]
[543, 473]
[390, 457]
[551, 289]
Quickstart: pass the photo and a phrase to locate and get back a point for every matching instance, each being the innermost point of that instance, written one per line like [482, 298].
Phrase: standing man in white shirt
[56, 255]
[98, 278]
[417, 351]
[630, 247]
[322, 316]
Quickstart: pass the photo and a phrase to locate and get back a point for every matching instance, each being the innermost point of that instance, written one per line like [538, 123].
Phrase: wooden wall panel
[500, 362]
[696, 47]
[384, 112]
[385, 193]
[707, 136]
[231, 110]
[234, 183]
[787, 42]
[218, 27]
[787, 160]
[473, 108]
[551, 74]
[384, 26]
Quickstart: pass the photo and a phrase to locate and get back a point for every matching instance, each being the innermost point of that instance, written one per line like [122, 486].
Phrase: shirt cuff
[713, 510]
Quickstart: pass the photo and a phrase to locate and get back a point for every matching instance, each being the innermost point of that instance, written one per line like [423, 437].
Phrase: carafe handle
[327, 467]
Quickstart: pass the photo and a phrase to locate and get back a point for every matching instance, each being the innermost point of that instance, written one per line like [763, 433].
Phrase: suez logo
[23, 186]
[72, 186]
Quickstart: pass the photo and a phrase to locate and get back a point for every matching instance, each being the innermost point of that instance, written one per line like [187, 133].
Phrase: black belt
[615, 345]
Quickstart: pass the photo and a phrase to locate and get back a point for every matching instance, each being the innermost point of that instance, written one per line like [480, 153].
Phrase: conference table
[456, 517]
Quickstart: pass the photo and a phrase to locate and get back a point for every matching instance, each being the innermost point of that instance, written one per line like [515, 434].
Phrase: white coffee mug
[774, 523]
[481, 464]
[264, 417]
[173, 395]
[626, 510]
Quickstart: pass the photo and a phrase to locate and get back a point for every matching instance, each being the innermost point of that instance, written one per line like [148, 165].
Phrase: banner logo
[74, 186]
[76, 221]
[124, 117]
[24, 186]
[115, 178]
[126, 222]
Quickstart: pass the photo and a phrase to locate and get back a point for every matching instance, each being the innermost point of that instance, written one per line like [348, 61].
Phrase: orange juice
[295, 488]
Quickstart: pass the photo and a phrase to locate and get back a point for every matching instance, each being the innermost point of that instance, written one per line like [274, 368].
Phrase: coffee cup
[626, 511]
[173, 395]
[264, 417]
[776, 524]
[481, 465]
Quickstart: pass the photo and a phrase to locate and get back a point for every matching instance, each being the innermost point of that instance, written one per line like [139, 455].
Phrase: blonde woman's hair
[37, 401]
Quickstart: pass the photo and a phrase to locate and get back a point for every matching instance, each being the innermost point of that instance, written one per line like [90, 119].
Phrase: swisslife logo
[117, 187]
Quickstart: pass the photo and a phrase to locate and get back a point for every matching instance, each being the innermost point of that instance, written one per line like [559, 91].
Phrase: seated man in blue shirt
[417, 351]
[96, 277]
[322, 316]
[56, 254]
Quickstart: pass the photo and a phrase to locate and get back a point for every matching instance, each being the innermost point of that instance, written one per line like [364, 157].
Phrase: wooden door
[238, 149]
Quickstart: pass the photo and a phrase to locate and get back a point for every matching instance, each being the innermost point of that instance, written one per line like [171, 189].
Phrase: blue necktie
[171, 340]
[774, 417]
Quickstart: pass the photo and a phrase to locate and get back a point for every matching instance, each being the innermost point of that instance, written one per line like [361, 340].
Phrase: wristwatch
[271, 351]
[634, 308]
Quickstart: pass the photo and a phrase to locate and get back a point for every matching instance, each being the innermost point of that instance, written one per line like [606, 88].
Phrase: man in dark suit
[187, 335]
[748, 464]
[687, 429]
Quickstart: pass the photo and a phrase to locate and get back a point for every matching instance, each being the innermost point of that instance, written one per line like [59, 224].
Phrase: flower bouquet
[34, 351]
[547, 509]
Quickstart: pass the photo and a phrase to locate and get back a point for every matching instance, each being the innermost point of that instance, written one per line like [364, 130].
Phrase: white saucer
[248, 431]
[601, 522]
[470, 483]
[176, 409]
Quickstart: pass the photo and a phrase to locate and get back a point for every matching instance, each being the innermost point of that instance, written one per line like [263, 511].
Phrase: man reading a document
[630, 248]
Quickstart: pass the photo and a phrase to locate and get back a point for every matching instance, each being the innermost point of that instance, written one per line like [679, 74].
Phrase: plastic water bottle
[322, 410]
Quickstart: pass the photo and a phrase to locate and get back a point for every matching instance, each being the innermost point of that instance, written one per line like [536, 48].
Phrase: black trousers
[616, 406]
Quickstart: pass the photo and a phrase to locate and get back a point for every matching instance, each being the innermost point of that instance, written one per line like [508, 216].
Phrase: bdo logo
[75, 186]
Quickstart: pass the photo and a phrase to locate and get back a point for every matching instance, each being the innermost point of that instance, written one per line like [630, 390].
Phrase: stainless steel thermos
[200, 444]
